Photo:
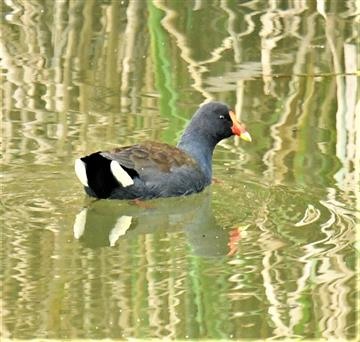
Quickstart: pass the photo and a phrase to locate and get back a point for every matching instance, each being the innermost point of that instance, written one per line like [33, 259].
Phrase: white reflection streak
[273, 31]
[5, 333]
[43, 143]
[237, 53]
[21, 270]
[124, 299]
[198, 5]
[311, 215]
[194, 68]
[296, 310]
[173, 298]
[344, 234]
[268, 41]
[333, 295]
[270, 246]
[154, 299]
[128, 47]
[22, 78]
[80, 223]
[333, 273]
[352, 119]
[269, 157]
[22, 95]
[274, 304]
[341, 113]
[251, 25]
[122, 224]
[313, 250]
[232, 31]
[333, 317]
[173, 302]
[239, 104]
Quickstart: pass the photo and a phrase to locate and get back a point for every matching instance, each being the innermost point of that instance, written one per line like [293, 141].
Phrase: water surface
[268, 251]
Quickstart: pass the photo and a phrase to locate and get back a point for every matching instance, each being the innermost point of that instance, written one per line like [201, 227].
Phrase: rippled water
[269, 250]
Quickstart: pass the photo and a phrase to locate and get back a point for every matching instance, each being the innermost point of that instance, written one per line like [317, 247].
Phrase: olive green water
[269, 250]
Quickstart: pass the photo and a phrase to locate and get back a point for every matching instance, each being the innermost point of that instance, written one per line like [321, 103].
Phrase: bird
[152, 169]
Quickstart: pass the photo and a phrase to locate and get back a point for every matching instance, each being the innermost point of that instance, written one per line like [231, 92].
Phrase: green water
[269, 250]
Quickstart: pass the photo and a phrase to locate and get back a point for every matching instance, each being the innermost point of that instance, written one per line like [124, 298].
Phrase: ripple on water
[295, 257]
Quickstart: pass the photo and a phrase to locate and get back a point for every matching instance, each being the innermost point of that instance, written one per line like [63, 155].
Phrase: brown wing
[150, 157]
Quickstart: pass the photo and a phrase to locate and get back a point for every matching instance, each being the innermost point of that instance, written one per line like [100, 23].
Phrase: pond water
[268, 251]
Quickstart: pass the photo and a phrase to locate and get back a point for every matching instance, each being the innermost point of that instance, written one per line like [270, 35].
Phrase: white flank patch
[80, 170]
[120, 174]
[79, 224]
[122, 224]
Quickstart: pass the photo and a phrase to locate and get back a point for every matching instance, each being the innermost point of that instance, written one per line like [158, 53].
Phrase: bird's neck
[200, 147]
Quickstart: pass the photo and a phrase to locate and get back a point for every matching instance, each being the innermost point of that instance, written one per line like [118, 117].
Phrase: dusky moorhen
[151, 169]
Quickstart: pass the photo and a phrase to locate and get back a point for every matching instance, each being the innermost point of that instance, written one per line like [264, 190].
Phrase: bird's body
[152, 169]
[156, 170]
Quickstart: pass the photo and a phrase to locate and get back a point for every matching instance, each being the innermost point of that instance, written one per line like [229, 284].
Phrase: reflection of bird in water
[103, 223]
[151, 169]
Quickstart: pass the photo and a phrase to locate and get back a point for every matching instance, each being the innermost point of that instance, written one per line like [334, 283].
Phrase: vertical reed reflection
[85, 75]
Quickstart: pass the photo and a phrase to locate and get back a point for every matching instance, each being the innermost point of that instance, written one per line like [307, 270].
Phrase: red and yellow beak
[238, 128]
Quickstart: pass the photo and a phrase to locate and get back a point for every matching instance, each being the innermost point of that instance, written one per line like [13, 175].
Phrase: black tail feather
[100, 179]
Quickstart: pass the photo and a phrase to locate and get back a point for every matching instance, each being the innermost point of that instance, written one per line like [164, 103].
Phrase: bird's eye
[221, 117]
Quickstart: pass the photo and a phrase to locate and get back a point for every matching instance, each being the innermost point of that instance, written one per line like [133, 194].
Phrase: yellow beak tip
[246, 136]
